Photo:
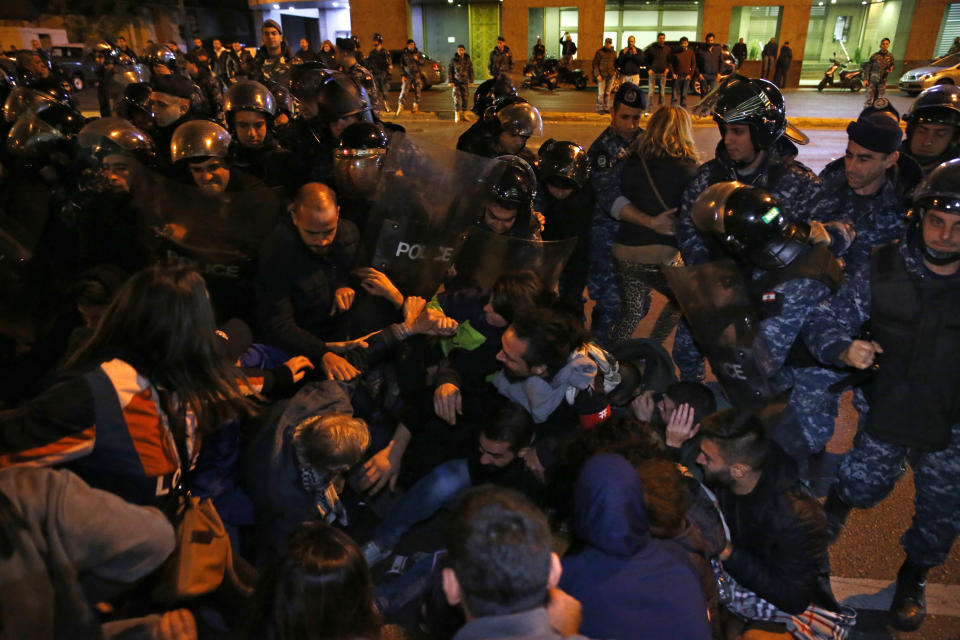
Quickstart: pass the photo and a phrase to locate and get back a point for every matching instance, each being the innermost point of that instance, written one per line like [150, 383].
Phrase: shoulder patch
[602, 161]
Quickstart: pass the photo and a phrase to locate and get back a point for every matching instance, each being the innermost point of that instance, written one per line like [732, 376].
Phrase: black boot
[909, 606]
[837, 511]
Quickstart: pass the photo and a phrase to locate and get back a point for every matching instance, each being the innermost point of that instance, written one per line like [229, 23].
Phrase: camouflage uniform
[875, 71]
[380, 65]
[410, 65]
[792, 183]
[500, 62]
[873, 466]
[362, 76]
[607, 155]
[460, 73]
[876, 221]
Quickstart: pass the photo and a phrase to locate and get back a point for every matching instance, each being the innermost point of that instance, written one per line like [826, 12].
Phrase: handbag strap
[653, 185]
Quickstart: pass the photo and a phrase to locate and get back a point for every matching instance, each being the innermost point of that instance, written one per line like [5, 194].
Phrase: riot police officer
[251, 110]
[566, 202]
[933, 127]
[347, 53]
[909, 292]
[510, 188]
[751, 117]
[357, 161]
[504, 130]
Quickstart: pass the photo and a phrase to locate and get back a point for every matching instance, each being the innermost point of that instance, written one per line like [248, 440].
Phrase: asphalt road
[867, 555]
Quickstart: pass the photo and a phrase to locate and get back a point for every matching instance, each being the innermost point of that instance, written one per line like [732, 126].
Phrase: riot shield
[717, 305]
[219, 235]
[424, 203]
[485, 256]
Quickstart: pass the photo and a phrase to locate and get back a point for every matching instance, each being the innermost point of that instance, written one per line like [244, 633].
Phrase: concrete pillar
[927, 17]
[390, 18]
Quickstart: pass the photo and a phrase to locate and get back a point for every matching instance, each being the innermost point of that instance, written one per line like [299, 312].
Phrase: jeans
[680, 87]
[709, 84]
[768, 63]
[653, 80]
[604, 87]
[427, 496]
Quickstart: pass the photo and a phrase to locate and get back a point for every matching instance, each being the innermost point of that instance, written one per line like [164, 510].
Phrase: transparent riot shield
[717, 305]
[423, 205]
[219, 235]
[485, 256]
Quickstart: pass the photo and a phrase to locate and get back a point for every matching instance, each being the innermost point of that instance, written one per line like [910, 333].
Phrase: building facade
[816, 30]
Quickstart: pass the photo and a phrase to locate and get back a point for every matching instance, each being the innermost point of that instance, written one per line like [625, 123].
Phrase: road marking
[861, 593]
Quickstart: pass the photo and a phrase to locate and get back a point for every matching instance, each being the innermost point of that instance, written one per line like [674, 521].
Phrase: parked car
[945, 70]
[76, 66]
[431, 71]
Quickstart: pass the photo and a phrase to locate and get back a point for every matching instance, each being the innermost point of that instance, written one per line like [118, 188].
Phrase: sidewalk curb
[583, 116]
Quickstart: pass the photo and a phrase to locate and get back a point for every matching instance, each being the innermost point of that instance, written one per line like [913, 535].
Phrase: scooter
[852, 79]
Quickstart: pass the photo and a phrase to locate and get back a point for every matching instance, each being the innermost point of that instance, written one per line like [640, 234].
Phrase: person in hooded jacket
[631, 586]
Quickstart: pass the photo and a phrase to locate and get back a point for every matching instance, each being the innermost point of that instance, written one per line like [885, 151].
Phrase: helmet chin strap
[939, 258]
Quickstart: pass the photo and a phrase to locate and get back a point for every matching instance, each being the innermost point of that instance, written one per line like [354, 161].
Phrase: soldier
[876, 70]
[410, 60]
[347, 61]
[933, 127]
[381, 65]
[174, 99]
[105, 56]
[460, 73]
[751, 117]
[501, 59]
[860, 196]
[607, 155]
[604, 73]
[909, 293]
[274, 57]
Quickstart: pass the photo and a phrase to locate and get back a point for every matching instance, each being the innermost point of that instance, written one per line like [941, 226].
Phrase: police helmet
[340, 97]
[197, 140]
[121, 77]
[757, 103]
[748, 222]
[940, 190]
[25, 100]
[358, 158]
[106, 52]
[285, 101]
[563, 162]
[134, 102]
[161, 55]
[518, 118]
[106, 136]
[248, 95]
[512, 182]
[34, 135]
[491, 91]
[378, 38]
[939, 104]
[306, 79]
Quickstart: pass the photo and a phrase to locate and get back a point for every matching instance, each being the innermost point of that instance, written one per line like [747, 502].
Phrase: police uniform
[790, 182]
[607, 155]
[877, 68]
[907, 420]
[378, 60]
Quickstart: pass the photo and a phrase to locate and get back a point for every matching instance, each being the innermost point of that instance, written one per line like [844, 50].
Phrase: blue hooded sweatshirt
[631, 586]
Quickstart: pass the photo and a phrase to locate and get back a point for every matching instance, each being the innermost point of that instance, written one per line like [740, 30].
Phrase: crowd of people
[272, 369]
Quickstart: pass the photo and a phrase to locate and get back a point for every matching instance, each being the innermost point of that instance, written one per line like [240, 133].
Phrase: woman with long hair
[662, 162]
[319, 589]
[147, 383]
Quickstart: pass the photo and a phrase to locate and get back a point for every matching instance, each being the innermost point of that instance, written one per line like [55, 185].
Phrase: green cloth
[466, 337]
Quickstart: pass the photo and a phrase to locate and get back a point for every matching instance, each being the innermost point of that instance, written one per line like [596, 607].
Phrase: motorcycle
[540, 73]
[575, 77]
[852, 79]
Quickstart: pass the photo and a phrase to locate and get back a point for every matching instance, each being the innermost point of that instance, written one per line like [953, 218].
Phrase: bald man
[304, 280]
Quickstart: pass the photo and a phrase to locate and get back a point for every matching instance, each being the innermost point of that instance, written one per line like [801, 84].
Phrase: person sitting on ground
[502, 572]
[319, 588]
[631, 585]
[778, 531]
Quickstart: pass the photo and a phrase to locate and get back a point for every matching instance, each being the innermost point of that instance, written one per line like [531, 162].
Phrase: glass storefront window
[756, 25]
[643, 20]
